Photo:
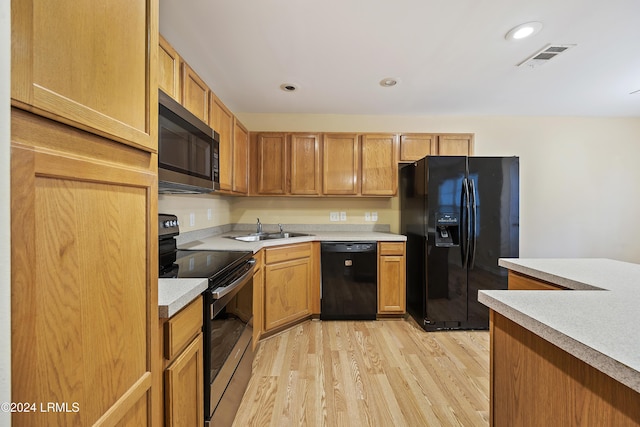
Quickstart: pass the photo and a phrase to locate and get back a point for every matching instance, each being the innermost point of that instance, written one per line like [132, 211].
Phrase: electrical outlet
[209, 214]
[343, 216]
[334, 216]
[374, 216]
[192, 219]
[367, 216]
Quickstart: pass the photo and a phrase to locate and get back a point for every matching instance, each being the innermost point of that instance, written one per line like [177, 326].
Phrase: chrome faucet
[259, 227]
[281, 230]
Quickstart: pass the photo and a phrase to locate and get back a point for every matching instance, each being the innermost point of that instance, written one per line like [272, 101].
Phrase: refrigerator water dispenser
[447, 229]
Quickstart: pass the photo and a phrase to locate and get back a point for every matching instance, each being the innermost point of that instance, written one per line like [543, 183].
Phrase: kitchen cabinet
[84, 304]
[169, 70]
[271, 150]
[286, 164]
[221, 119]
[195, 93]
[415, 146]
[379, 173]
[391, 278]
[305, 164]
[183, 367]
[84, 277]
[287, 280]
[103, 83]
[455, 145]
[258, 297]
[240, 158]
[519, 281]
[340, 164]
[536, 383]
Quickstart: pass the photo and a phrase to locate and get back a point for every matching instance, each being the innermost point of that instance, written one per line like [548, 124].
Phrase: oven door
[227, 333]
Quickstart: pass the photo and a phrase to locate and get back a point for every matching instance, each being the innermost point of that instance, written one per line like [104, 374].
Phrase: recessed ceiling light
[288, 87]
[523, 31]
[389, 82]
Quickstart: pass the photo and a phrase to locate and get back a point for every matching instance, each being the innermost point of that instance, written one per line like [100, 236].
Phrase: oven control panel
[168, 225]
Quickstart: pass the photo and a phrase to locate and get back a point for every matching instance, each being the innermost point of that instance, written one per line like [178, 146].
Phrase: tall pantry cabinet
[84, 212]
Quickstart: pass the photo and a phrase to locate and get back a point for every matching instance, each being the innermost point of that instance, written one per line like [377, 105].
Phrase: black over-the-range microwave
[188, 156]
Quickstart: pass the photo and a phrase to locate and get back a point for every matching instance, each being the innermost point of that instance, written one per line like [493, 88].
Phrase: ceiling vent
[545, 55]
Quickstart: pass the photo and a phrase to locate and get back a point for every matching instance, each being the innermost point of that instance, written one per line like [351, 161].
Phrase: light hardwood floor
[378, 373]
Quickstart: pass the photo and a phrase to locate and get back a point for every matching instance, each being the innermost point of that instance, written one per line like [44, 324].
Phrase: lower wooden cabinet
[287, 284]
[183, 367]
[83, 327]
[183, 381]
[391, 278]
[521, 282]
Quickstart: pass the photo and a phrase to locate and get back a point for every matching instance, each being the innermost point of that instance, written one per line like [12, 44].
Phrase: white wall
[5, 224]
[578, 175]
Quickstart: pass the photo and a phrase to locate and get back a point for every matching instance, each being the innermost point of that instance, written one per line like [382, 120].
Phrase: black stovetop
[203, 264]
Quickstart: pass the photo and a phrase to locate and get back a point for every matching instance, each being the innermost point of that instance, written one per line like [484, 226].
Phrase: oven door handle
[217, 294]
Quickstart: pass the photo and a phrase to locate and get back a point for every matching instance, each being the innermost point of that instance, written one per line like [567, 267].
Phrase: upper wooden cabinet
[240, 158]
[414, 146]
[221, 120]
[379, 165]
[305, 164]
[455, 145]
[86, 64]
[169, 70]
[272, 163]
[286, 163]
[195, 93]
[340, 164]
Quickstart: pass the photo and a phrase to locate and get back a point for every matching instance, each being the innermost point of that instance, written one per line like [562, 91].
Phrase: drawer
[390, 248]
[287, 252]
[181, 328]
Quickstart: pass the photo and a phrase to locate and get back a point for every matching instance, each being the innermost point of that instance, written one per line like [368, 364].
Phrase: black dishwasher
[349, 281]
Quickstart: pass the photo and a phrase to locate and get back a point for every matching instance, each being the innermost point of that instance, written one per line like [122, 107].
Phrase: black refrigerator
[460, 214]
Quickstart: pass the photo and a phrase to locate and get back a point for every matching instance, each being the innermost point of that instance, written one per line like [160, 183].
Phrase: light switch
[374, 216]
[343, 216]
[367, 216]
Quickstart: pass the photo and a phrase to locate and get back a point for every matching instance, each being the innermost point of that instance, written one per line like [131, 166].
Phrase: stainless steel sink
[256, 237]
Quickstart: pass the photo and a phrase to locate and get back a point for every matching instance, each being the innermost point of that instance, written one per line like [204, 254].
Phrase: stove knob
[166, 224]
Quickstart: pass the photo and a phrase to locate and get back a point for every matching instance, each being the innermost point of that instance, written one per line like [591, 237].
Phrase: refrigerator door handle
[474, 231]
[466, 224]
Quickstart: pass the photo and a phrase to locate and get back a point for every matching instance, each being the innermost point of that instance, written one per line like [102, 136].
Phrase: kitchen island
[569, 357]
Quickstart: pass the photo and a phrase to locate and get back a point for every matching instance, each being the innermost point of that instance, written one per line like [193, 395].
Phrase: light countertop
[222, 242]
[174, 294]
[595, 321]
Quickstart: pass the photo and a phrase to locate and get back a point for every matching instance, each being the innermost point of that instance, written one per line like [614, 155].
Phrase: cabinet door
[169, 69]
[340, 164]
[286, 292]
[415, 146]
[272, 163]
[221, 120]
[240, 158]
[84, 327]
[195, 93]
[88, 64]
[258, 305]
[379, 165]
[305, 164]
[391, 284]
[455, 145]
[184, 402]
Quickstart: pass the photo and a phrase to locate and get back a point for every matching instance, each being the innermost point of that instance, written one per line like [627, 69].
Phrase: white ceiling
[450, 56]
